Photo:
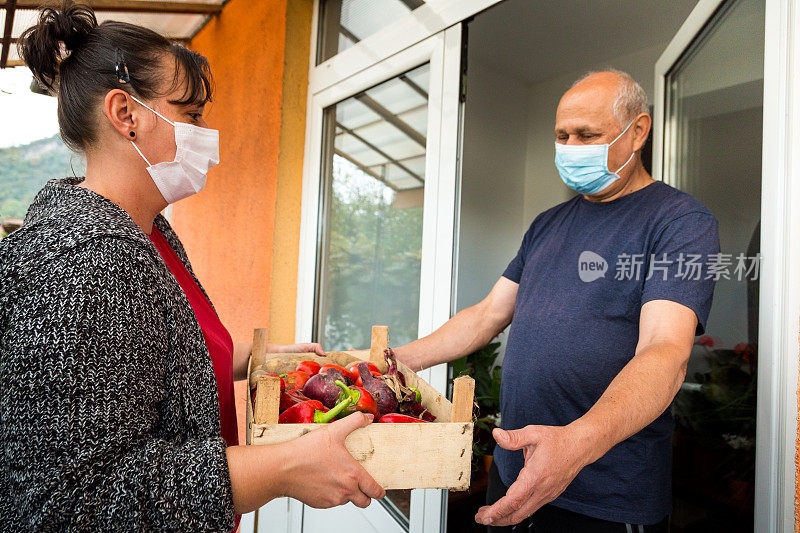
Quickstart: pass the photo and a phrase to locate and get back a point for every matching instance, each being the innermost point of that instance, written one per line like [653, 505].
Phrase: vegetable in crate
[296, 380]
[397, 418]
[290, 398]
[353, 368]
[408, 398]
[323, 387]
[351, 377]
[311, 412]
[309, 367]
[360, 400]
[384, 396]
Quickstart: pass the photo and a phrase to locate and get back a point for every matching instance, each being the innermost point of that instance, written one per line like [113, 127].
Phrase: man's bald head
[628, 98]
[607, 107]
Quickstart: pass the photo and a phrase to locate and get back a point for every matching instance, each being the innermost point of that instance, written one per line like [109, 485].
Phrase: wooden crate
[435, 455]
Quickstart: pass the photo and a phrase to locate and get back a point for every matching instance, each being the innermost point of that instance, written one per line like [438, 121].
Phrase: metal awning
[382, 131]
[177, 20]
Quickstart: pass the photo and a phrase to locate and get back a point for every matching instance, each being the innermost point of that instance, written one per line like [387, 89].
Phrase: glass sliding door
[372, 213]
[712, 150]
[371, 225]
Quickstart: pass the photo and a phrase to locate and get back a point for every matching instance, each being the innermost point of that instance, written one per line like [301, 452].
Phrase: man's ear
[117, 108]
[641, 129]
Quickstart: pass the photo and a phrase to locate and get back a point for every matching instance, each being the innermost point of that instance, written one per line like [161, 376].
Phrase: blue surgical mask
[584, 167]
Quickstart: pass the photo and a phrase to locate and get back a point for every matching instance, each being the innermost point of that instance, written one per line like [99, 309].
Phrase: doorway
[521, 57]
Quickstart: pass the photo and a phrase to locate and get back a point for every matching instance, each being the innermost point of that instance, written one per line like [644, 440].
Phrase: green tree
[25, 169]
[372, 263]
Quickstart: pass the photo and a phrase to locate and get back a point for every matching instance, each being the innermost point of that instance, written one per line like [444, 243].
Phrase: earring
[133, 134]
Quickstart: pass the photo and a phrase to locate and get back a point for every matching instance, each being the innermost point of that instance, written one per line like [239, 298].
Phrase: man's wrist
[406, 355]
[589, 440]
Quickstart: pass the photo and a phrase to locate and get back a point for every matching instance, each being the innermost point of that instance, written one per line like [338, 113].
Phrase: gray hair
[631, 99]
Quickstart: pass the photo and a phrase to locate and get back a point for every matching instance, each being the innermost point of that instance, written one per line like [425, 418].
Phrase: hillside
[25, 169]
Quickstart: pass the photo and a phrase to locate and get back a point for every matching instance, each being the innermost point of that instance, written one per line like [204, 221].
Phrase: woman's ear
[117, 108]
[641, 129]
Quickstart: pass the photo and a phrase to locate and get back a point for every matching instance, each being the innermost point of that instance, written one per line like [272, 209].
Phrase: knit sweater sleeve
[86, 438]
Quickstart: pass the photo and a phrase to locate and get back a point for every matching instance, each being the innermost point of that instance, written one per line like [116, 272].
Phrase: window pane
[371, 236]
[343, 23]
[713, 152]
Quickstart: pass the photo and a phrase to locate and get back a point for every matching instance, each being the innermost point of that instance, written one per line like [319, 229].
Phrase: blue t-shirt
[584, 271]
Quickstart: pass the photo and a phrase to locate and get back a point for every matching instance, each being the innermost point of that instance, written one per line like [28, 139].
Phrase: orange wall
[242, 231]
[229, 229]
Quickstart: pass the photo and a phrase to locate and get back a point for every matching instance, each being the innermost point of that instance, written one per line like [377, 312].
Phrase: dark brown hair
[74, 58]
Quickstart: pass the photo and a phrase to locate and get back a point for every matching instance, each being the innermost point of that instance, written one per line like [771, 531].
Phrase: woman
[116, 375]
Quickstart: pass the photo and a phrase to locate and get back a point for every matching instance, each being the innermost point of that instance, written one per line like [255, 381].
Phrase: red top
[218, 340]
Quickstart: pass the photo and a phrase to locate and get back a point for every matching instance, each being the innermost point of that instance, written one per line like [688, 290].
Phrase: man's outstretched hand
[553, 457]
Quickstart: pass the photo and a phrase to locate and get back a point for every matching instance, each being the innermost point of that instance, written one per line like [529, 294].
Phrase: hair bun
[74, 23]
[40, 45]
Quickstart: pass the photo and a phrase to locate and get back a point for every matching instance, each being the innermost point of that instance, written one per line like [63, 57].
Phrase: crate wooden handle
[259, 342]
[463, 396]
[380, 341]
[268, 400]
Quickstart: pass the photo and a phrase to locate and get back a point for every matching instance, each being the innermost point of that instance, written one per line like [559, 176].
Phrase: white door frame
[777, 406]
[443, 52]
[429, 19]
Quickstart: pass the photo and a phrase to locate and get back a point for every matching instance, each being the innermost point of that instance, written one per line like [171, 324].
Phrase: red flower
[740, 348]
[706, 341]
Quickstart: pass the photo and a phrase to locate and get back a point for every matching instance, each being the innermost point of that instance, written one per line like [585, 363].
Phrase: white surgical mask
[197, 152]
[584, 167]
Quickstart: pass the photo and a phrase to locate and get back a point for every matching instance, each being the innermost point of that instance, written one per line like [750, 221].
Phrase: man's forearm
[466, 332]
[642, 390]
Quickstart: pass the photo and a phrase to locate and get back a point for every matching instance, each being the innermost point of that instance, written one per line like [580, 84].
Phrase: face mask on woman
[197, 152]
[584, 167]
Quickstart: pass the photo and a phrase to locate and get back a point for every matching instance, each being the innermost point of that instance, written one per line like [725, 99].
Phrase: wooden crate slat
[398, 456]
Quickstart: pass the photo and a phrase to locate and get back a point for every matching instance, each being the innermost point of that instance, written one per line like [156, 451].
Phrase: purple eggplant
[323, 387]
[384, 396]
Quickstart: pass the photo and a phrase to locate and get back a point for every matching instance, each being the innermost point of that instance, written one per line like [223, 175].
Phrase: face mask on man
[197, 152]
[584, 167]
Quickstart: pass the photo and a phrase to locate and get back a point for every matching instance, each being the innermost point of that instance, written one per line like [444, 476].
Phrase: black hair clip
[120, 67]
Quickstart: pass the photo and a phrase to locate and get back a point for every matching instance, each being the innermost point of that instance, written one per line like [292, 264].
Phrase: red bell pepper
[311, 412]
[397, 418]
[360, 400]
[309, 367]
[290, 398]
[296, 380]
[343, 371]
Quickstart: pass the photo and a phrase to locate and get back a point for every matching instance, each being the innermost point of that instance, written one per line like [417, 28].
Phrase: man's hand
[553, 457]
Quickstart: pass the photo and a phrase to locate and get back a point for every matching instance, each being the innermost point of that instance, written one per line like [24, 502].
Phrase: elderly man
[595, 353]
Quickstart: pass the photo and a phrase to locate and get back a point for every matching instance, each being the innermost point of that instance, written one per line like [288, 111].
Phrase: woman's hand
[316, 469]
[303, 347]
[322, 473]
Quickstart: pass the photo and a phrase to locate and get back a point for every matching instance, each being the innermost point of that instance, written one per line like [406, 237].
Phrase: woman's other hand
[303, 347]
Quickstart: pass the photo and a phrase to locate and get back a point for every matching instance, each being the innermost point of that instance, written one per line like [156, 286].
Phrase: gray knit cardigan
[109, 418]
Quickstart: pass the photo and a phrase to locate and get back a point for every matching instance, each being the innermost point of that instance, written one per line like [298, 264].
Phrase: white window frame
[429, 19]
[442, 52]
[776, 419]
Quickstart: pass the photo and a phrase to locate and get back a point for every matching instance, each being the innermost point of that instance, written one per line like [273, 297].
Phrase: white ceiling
[536, 40]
